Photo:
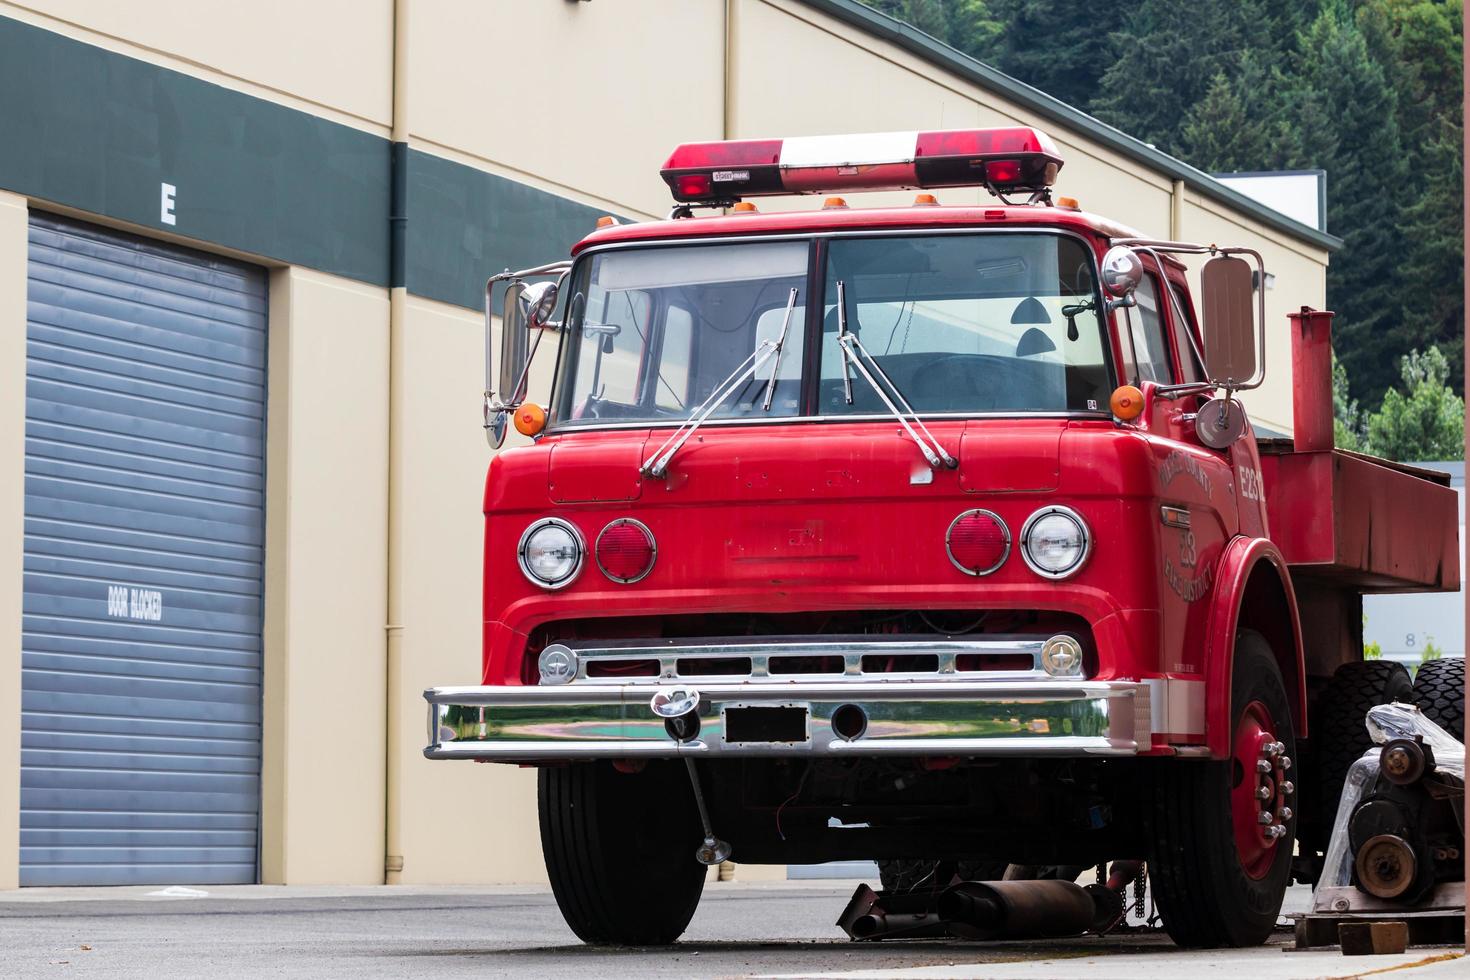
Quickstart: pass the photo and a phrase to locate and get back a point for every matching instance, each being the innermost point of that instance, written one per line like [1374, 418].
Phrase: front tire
[619, 850]
[1218, 874]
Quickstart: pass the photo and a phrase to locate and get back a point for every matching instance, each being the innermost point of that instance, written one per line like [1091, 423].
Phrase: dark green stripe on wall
[100, 132]
[466, 225]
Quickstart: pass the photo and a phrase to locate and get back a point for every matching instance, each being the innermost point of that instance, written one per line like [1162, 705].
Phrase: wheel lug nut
[1285, 761]
[1285, 813]
[1263, 792]
[1262, 766]
[1264, 818]
[1275, 831]
[1287, 787]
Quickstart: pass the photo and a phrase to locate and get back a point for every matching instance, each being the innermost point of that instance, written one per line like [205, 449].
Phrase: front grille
[783, 659]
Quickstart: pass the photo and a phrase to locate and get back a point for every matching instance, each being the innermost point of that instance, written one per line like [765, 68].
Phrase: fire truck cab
[934, 535]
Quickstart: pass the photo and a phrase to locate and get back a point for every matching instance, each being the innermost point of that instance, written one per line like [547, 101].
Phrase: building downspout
[727, 119]
[397, 325]
[1176, 212]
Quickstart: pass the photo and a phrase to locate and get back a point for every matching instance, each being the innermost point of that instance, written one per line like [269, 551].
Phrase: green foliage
[1431, 652]
[1427, 420]
[1054, 45]
[1368, 90]
[1347, 418]
[1373, 651]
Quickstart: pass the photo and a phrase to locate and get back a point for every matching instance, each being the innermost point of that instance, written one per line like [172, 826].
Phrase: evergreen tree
[1219, 133]
[1419, 44]
[1058, 46]
[1427, 422]
[1367, 178]
[1166, 58]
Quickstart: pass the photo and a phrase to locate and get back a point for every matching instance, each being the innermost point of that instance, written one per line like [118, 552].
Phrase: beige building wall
[13, 247]
[583, 98]
[448, 822]
[325, 725]
[330, 57]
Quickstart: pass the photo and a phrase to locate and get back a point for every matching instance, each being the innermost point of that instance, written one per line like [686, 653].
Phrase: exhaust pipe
[1017, 909]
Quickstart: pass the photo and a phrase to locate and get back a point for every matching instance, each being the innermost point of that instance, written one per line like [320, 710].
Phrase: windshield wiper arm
[851, 347]
[780, 345]
[657, 465]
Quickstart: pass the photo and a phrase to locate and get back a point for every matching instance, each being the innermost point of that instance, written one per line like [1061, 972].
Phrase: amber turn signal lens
[925, 200]
[1070, 203]
[833, 202]
[1126, 403]
[743, 207]
[530, 419]
[606, 221]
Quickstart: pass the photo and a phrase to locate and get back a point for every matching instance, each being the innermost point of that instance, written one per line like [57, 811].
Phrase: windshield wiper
[657, 465]
[851, 347]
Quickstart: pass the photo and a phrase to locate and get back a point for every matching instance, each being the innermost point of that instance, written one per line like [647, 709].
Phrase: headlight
[550, 553]
[1055, 542]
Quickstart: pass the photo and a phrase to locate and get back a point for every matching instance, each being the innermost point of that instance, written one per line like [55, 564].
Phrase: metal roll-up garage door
[144, 528]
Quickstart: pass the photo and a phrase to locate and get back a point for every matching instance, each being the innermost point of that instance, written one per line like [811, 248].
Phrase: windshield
[653, 332]
[972, 323]
[959, 323]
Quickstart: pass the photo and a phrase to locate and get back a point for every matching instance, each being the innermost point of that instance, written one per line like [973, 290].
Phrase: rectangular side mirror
[514, 342]
[1229, 321]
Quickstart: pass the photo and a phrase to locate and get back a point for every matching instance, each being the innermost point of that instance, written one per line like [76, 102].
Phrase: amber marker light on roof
[1126, 403]
[606, 221]
[834, 202]
[925, 200]
[743, 207]
[1070, 203]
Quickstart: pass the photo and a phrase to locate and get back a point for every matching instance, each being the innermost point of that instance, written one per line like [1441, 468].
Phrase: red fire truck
[934, 535]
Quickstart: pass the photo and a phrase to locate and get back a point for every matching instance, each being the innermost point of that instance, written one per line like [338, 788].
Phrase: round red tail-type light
[625, 550]
[978, 542]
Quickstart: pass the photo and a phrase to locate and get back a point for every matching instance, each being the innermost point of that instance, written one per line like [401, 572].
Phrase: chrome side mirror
[539, 299]
[1229, 321]
[1122, 271]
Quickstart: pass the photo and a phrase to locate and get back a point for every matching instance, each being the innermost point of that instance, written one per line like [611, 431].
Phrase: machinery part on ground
[617, 848]
[1017, 909]
[1110, 895]
[908, 875]
[1405, 834]
[1404, 761]
[891, 915]
[1221, 851]
[1439, 691]
[1339, 738]
[1385, 866]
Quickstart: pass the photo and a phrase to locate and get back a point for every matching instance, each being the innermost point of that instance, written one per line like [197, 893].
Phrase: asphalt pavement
[767, 929]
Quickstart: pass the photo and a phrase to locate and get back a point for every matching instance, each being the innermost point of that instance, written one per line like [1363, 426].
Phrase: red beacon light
[1009, 160]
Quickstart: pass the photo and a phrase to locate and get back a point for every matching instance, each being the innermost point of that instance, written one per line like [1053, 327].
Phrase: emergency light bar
[1010, 160]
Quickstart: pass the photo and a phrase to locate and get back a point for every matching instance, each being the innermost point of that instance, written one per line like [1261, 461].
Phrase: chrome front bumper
[950, 717]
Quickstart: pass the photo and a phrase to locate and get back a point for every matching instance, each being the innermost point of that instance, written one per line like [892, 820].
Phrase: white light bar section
[857, 150]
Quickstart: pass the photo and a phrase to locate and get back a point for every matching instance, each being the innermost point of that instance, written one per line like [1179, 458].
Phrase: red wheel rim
[1259, 790]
